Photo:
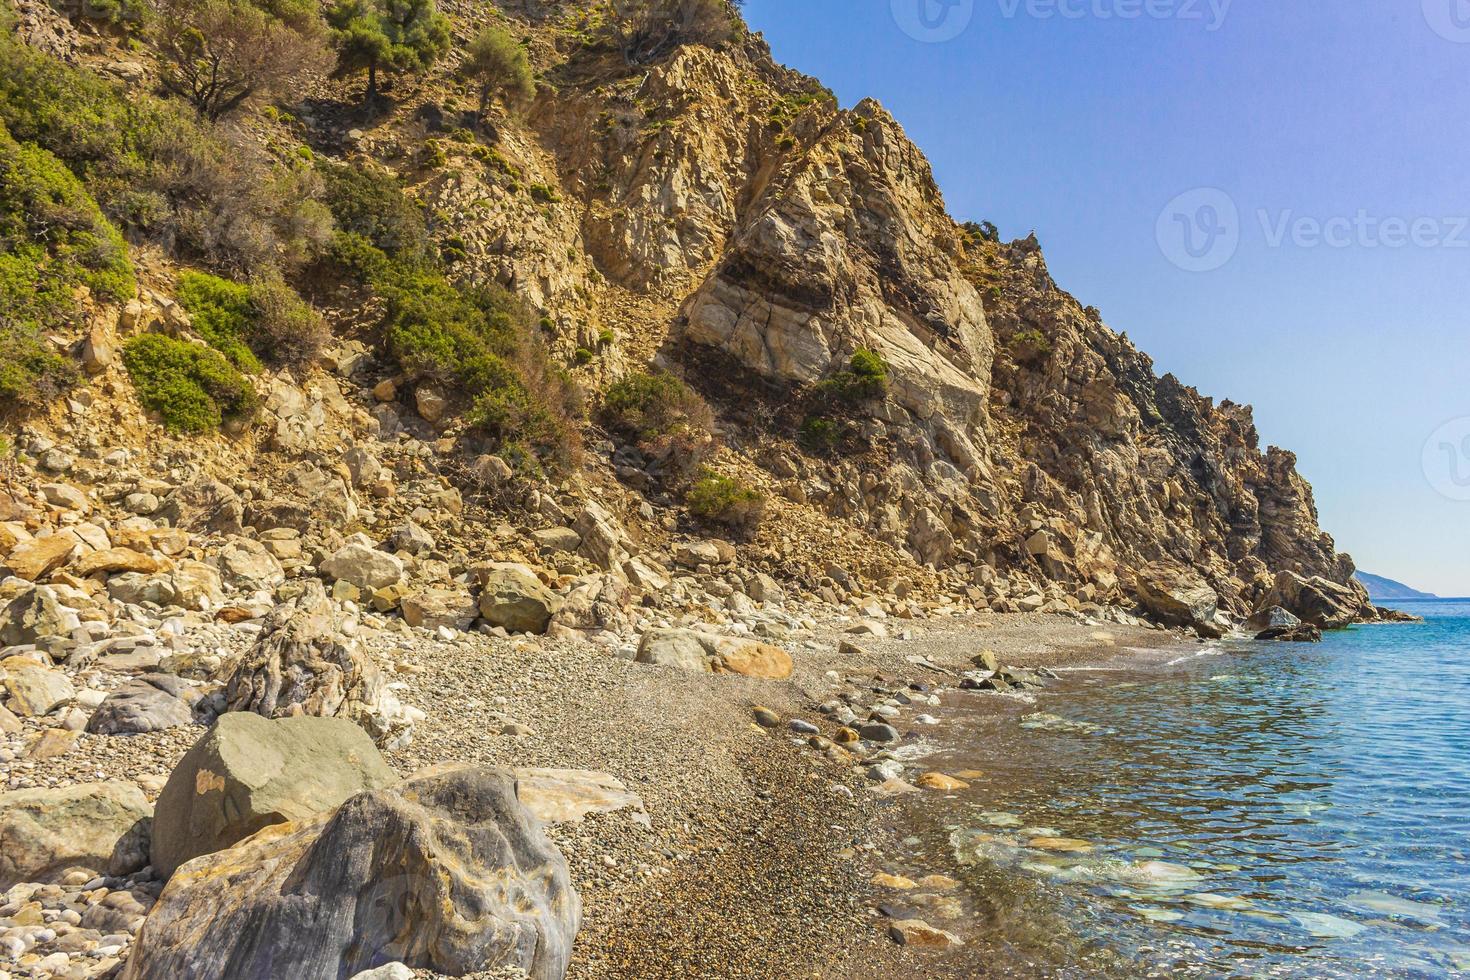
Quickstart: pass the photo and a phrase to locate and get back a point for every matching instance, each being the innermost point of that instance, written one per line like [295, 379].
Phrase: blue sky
[1313, 152]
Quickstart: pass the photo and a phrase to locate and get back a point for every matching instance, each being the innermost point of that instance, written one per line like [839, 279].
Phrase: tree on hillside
[498, 65]
[387, 35]
[221, 54]
[645, 30]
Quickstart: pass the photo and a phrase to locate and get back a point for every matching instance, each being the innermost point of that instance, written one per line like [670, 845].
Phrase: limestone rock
[33, 616]
[433, 608]
[1179, 599]
[249, 772]
[1320, 602]
[33, 560]
[447, 872]
[513, 597]
[114, 560]
[364, 566]
[567, 795]
[430, 402]
[249, 566]
[34, 690]
[99, 827]
[711, 653]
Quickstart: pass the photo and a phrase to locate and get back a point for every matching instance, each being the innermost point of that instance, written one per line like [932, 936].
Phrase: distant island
[1383, 589]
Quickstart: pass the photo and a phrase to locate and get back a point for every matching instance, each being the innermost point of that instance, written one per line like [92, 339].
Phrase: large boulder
[436, 607]
[512, 597]
[1320, 602]
[302, 664]
[97, 827]
[447, 872]
[249, 565]
[706, 653]
[149, 703]
[33, 616]
[364, 566]
[1179, 598]
[249, 772]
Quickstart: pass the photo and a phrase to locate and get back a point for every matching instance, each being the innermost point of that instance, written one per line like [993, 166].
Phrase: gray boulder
[149, 703]
[99, 827]
[513, 597]
[1320, 602]
[1271, 618]
[249, 772]
[447, 872]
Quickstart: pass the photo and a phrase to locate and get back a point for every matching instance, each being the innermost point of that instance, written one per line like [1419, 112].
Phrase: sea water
[1225, 810]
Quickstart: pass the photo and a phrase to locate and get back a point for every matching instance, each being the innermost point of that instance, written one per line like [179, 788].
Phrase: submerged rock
[447, 872]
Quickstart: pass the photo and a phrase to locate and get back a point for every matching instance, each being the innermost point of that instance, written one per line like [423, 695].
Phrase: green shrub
[865, 379]
[726, 501]
[371, 204]
[191, 386]
[544, 194]
[583, 356]
[155, 170]
[53, 239]
[819, 434]
[244, 323]
[1029, 346]
[605, 337]
[665, 419]
[220, 313]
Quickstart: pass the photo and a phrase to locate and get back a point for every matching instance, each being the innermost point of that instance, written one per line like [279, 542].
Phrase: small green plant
[1029, 347]
[544, 194]
[583, 356]
[865, 379]
[605, 337]
[192, 387]
[726, 501]
[219, 311]
[818, 434]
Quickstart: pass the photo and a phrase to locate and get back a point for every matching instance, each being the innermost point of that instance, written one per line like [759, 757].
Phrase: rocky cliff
[720, 216]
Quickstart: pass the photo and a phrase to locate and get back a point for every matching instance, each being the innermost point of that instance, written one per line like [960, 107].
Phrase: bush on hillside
[371, 205]
[265, 319]
[865, 379]
[646, 30]
[219, 55]
[191, 387]
[666, 419]
[496, 64]
[53, 239]
[387, 35]
[726, 501]
[156, 171]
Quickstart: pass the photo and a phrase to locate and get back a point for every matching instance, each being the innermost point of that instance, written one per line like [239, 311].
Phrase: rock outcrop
[447, 872]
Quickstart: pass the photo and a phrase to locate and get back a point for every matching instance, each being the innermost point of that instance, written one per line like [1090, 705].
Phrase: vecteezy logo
[1450, 19]
[1447, 459]
[933, 21]
[1199, 230]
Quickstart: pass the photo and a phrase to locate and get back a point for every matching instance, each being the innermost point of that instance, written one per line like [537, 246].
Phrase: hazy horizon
[1303, 152]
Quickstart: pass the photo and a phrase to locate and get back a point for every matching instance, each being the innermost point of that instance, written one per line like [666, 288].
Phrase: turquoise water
[1281, 810]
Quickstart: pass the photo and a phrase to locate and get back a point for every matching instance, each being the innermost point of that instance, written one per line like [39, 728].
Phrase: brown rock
[38, 557]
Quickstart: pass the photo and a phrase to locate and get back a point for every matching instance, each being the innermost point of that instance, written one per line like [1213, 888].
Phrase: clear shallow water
[1283, 810]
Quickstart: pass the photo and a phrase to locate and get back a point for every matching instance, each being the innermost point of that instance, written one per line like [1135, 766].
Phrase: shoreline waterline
[1214, 810]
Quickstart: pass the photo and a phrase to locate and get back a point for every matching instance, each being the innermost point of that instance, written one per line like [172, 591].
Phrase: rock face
[301, 664]
[513, 597]
[447, 872]
[99, 827]
[248, 773]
